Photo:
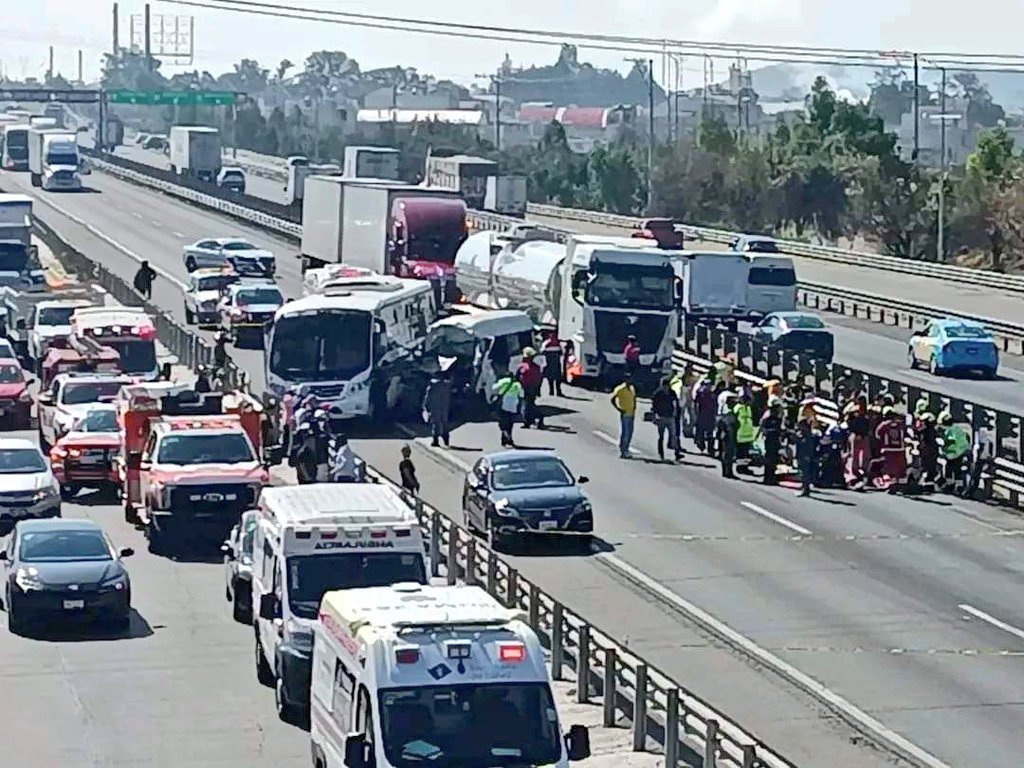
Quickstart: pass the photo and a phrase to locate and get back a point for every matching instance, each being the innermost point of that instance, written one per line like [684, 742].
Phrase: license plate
[74, 605]
[548, 525]
[88, 461]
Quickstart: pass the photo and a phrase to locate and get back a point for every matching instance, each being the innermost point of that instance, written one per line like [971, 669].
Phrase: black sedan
[64, 569]
[798, 332]
[510, 493]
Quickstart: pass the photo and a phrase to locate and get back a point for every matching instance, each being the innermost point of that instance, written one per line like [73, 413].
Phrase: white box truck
[195, 152]
[506, 195]
[714, 288]
[371, 163]
[53, 160]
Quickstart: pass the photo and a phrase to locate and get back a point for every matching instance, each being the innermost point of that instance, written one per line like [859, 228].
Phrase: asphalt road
[881, 603]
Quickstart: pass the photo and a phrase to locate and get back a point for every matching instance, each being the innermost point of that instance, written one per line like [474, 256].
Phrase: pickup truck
[35, 321]
[69, 398]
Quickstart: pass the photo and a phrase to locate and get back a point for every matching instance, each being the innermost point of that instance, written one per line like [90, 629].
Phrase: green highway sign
[172, 98]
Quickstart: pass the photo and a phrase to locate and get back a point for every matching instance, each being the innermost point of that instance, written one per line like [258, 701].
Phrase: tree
[618, 186]
[322, 68]
[993, 159]
[715, 136]
[248, 77]
[981, 109]
[282, 70]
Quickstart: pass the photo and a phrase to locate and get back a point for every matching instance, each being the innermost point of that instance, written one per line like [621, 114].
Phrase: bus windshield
[327, 346]
[631, 286]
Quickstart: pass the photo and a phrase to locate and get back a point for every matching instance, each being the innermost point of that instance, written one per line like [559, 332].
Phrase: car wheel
[190, 263]
[15, 625]
[933, 367]
[911, 360]
[239, 611]
[288, 713]
[264, 674]
[989, 374]
[68, 492]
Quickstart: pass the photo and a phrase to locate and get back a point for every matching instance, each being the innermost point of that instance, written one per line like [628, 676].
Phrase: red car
[84, 457]
[15, 399]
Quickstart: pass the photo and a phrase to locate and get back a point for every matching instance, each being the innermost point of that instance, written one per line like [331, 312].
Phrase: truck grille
[612, 328]
[212, 500]
[327, 391]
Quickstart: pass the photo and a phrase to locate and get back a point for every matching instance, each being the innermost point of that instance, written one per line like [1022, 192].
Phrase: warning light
[407, 655]
[511, 652]
[328, 534]
[378, 534]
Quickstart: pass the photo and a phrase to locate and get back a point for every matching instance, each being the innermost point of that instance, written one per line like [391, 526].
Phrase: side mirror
[126, 552]
[355, 750]
[582, 479]
[3, 555]
[226, 549]
[20, 324]
[577, 742]
[268, 606]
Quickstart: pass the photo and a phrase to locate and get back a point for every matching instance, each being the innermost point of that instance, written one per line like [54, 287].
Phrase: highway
[882, 602]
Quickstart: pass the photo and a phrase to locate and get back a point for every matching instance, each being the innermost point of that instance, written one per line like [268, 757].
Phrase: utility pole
[116, 43]
[941, 235]
[81, 78]
[497, 115]
[49, 69]
[146, 36]
[917, 112]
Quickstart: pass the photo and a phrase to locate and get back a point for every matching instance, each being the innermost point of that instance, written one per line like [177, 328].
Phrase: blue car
[954, 346]
[511, 493]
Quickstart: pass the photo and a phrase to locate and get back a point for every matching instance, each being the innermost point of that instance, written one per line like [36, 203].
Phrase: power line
[755, 51]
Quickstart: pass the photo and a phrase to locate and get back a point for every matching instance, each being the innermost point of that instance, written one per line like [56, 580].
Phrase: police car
[311, 539]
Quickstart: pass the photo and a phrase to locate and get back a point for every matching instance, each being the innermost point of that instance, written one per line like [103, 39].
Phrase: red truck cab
[84, 457]
[426, 235]
[666, 232]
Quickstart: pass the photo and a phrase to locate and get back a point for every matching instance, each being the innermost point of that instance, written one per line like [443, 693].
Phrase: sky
[222, 38]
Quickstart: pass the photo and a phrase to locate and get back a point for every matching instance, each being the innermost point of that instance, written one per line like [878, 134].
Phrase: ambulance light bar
[511, 652]
[408, 654]
[144, 332]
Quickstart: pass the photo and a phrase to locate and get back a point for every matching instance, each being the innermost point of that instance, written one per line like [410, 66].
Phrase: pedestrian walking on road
[551, 349]
[407, 471]
[509, 402]
[624, 401]
[144, 278]
[532, 378]
[665, 408]
[437, 406]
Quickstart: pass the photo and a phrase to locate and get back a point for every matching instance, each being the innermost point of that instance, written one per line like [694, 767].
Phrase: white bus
[310, 539]
[446, 676]
[350, 344]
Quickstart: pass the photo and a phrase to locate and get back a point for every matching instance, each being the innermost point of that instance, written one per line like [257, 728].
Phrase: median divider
[658, 708]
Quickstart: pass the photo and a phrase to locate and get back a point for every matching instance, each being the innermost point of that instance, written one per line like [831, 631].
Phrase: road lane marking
[776, 518]
[157, 225]
[843, 707]
[443, 455]
[136, 214]
[990, 619]
[614, 441]
[178, 235]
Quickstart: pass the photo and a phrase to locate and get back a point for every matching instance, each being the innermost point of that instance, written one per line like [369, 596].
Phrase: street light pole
[917, 112]
[941, 238]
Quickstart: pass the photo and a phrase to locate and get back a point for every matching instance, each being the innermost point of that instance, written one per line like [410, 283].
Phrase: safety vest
[676, 384]
[745, 433]
[955, 442]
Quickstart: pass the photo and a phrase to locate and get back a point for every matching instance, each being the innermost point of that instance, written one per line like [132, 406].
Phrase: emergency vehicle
[69, 398]
[309, 540]
[103, 360]
[408, 675]
[84, 457]
[129, 330]
[190, 463]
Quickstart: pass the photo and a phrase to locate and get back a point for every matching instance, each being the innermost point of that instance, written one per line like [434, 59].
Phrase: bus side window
[344, 688]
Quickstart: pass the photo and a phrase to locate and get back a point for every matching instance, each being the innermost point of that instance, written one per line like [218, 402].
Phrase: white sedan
[244, 257]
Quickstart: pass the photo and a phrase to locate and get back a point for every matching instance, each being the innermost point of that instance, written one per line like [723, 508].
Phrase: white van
[486, 344]
[409, 675]
[311, 539]
[771, 284]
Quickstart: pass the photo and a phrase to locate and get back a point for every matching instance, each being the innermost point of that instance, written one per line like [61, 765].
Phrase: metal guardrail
[873, 307]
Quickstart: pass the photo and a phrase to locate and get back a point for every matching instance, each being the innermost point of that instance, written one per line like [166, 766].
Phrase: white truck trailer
[371, 163]
[195, 152]
[506, 195]
[53, 159]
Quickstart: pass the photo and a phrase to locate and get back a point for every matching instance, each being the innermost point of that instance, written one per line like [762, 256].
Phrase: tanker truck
[594, 292]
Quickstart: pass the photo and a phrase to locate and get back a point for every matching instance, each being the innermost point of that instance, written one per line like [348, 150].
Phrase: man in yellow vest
[746, 432]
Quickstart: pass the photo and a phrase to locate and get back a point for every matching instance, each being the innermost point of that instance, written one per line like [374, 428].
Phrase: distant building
[373, 121]
[961, 138]
[585, 127]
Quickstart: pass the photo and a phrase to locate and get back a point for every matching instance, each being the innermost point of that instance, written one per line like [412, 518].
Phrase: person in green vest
[746, 432]
[509, 401]
[956, 445]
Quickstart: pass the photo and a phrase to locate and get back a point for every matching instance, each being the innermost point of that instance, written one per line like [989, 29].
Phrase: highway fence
[286, 222]
[658, 708]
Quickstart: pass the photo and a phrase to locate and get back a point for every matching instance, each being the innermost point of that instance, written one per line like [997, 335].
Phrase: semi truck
[19, 259]
[389, 227]
[371, 163]
[506, 195]
[53, 160]
[195, 152]
[464, 174]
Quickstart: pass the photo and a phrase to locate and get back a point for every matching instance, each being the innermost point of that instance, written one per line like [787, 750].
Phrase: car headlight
[355, 387]
[28, 580]
[582, 508]
[503, 509]
[45, 493]
[116, 584]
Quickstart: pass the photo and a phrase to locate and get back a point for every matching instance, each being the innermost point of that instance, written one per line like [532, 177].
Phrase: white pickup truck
[51, 320]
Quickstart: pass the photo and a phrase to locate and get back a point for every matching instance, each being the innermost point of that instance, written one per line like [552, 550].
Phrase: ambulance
[311, 539]
[411, 675]
[128, 330]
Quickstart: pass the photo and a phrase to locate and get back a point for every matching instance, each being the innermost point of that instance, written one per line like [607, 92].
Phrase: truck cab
[53, 159]
[190, 463]
[51, 325]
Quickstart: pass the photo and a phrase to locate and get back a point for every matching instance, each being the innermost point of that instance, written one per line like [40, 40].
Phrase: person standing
[808, 435]
[891, 434]
[727, 429]
[551, 349]
[407, 471]
[437, 404]
[771, 433]
[956, 446]
[984, 454]
[665, 407]
[510, 400]
[704, 403]
[860, 428]
[631, 353]
[532, 378]
[624, 401]
[745, 432]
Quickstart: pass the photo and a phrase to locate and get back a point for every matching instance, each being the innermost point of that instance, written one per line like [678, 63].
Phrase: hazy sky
[222, 38]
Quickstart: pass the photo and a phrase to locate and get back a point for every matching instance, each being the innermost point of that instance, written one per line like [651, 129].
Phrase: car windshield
[803, 321]
[21, 461]
[259, 296]
[55, 315]
[199, 448]
[79, 393]
[214, 282]
[632, 286]
[322, 347]
[137, 355]
[546, 472]
[98, 420]
[240, 245]
[11, 373]
[453, 726]
[967, 332]
[56, 546]
[309, 576]
[232, 176]
[6, 350]
[248, 535]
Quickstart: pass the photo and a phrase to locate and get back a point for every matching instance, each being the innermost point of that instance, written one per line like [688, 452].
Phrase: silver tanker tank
[498, 272]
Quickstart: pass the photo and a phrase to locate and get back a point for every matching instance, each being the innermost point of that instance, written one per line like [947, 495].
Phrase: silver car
[28, 489]
[202, 298]
[241, 255]
[238, 567]
[247, 307]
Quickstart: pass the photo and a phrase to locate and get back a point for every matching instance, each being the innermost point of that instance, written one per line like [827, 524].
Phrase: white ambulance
[311, 539]
[411, 675]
